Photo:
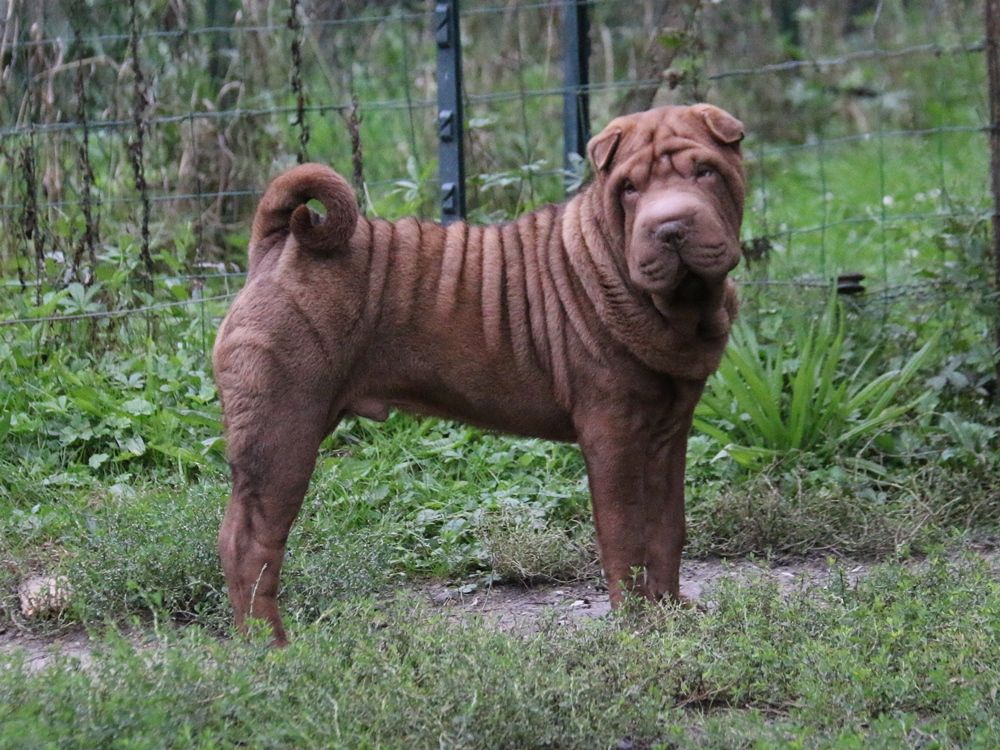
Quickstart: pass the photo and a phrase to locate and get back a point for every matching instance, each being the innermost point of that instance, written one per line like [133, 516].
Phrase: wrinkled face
[672, 185]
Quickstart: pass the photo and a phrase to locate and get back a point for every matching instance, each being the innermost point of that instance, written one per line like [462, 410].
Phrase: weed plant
[767, 401]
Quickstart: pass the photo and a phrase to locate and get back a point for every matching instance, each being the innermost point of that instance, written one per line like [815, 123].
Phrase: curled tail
[283, 207]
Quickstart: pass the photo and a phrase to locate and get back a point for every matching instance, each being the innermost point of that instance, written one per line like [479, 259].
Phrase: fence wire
[140, 134]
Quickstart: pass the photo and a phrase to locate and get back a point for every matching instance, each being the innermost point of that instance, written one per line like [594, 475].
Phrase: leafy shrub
[769, 399]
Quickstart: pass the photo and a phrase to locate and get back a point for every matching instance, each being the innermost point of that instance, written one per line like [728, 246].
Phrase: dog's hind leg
[271, 467]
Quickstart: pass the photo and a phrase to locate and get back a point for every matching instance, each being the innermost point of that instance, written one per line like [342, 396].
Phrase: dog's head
[671, 183]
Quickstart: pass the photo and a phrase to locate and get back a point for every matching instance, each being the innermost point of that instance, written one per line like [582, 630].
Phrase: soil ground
[510, 607]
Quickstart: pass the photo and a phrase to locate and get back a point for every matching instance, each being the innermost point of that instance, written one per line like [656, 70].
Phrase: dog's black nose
[671, 233]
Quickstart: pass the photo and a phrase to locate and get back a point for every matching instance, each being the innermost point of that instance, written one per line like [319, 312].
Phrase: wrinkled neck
[677, 336]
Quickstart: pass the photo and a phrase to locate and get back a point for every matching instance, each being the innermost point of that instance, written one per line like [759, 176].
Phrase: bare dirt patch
[511, 607]
[39, 651]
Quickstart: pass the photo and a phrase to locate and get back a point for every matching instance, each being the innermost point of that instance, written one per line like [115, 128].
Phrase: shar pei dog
[595, 321]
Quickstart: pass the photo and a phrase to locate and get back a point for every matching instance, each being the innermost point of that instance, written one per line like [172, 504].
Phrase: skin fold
[595, 321]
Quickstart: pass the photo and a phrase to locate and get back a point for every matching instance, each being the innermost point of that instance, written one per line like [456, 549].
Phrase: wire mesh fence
[136, 137]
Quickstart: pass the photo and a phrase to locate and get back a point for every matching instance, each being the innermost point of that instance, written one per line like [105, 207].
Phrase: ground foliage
[906, 657]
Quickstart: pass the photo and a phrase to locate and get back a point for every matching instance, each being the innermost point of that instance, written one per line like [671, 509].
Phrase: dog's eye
[705, 170]
[628, 188]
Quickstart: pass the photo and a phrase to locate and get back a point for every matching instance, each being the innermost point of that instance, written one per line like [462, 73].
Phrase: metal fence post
[576, 78]
[993, 75]
[451, 155]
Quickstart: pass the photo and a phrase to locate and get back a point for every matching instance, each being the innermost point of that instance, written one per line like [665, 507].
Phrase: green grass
[389, 514]
[906, 657]
[885, 206]
[112, 470]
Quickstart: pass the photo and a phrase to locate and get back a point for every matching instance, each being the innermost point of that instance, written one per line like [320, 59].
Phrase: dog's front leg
[636, 471]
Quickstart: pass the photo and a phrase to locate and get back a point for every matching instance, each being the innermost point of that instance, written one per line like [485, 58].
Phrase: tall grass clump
[770, 399]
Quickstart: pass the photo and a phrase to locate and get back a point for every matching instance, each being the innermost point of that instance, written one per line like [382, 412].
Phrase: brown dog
[596, 321]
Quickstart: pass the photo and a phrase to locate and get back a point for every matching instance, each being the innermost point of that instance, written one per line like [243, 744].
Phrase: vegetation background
[135, 139]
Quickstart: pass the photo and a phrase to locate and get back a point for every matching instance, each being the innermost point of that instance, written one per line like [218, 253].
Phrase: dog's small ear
[602, 147]
[723, 126]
